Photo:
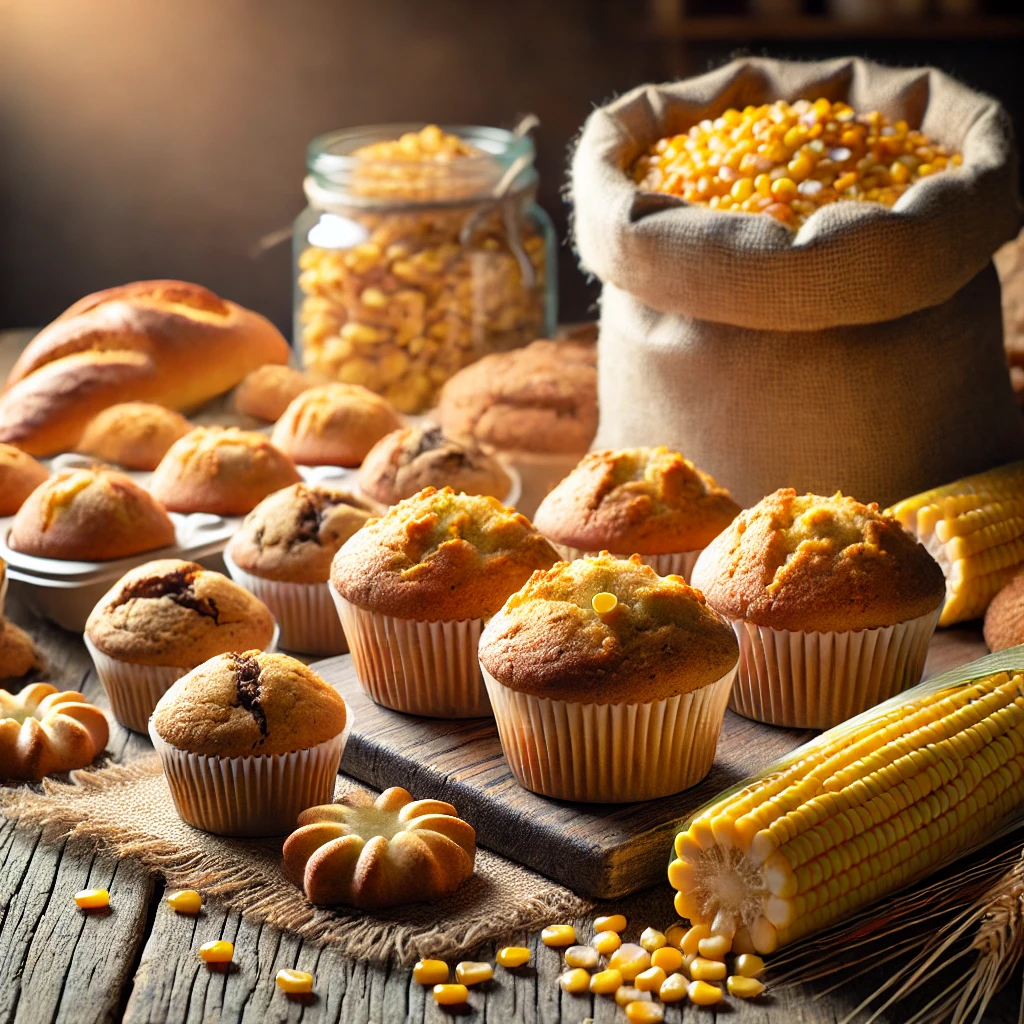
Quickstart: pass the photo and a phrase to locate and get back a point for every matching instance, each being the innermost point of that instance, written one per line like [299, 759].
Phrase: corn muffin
[159, 621]
[269, 390]
[20, 475]
[248, 741]
[90, 515]
[222, 470]
[601, 655]
[334, 425]
[649, 501]
[407, 460]
[283, 555]
[834, 603]
[135, 435]
[1004, 618]
[413, 588]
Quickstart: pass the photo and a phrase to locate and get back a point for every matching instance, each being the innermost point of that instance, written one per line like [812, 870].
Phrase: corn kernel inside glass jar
[421, 251]
[788, 160]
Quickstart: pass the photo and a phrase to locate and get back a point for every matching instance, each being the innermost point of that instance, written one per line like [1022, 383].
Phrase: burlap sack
[861, 353]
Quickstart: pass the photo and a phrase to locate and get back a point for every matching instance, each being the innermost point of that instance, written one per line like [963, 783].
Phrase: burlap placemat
[128, 810]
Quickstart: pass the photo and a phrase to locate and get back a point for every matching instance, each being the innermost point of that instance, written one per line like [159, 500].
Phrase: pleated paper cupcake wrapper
[817, 680]
[609, 753]
[134, 690]
[304, 611]
[680, 563]
[421, 668]
[250, 796]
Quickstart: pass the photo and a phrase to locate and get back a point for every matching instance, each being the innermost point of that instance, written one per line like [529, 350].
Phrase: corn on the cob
[856, 813]
[974, 528]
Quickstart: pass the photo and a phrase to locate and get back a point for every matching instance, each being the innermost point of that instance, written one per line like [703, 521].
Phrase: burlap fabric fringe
[127, 810]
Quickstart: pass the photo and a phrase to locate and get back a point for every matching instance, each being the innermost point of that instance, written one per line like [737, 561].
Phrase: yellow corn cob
[860, 811]
[974, 528]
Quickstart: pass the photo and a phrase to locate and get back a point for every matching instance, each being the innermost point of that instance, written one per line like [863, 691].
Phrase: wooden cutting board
[597, 850]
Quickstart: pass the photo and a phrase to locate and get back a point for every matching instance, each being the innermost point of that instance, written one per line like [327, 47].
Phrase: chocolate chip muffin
[405, 461]
[248, 741]
[135, 435]
[20, 475]
[159, 621]
[283, 555]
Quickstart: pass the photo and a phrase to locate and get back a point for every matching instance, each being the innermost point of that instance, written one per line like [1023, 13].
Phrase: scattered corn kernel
[748, 965]
[574, 981]
[513, 956]
[450, 995]
[93, 899]
[473, 972]
[295, 983]
[630, 959]
[668, 958]
[606, 942]
[217, 952]
[582, 956]
[650, 980]
[715, 947]
[558, 935]
[188, 901]
[673, 988]
[604, 983]
[629, 994]
[691, 940]
[652, 939]
[644, 1013]
[703, 994]
[707, 970]
[674, 936]
[610, 923]
[430, 972]
[743, 988]
[604, 603]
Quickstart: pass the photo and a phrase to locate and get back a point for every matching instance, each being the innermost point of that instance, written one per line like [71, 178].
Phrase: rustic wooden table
[139, 962]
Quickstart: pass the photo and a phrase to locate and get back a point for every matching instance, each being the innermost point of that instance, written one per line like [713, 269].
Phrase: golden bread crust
[373, 854]
[440, 556]
[541, 398]
[407, 460]
[249, 704]
[334, 425]
[18, 654]
[93, 514]
[268, 390]
[176, 613]
[135, 435]
[1004, 618]
[222, 470]
[20, 475]
[660, 639]
[43, 731]
[646, 500]
[817, 564]
[294, 534]
[142, 342]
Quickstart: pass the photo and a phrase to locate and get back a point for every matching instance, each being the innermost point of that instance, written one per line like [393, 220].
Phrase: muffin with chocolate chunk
[834, 603]
[414, 587]
[283, 555]
[248, 741]
[159, 621]
[403, 463]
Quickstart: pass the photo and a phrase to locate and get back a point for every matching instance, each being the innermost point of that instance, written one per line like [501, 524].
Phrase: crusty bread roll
[169, 342]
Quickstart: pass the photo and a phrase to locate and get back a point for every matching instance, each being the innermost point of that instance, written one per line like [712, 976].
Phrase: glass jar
[421, 250]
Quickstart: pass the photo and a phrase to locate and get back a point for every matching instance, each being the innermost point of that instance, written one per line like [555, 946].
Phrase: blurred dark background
[164, 138]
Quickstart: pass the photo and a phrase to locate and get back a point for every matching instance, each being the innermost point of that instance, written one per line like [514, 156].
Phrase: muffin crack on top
[178, 585]
[247, 670]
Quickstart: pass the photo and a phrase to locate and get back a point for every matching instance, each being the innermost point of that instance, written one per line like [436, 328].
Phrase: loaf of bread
[168, 342]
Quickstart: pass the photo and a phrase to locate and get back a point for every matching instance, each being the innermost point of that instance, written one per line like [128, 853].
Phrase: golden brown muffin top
[646, 500]
[249, 704]
[407, 460]
[133, 434]
[658, 639]
[176, 613]
[816, 564]
[91, 514]
[1004, 619]
[268, 390]
[294, 534]
[20, 475]
[440, 556]
[541, 398]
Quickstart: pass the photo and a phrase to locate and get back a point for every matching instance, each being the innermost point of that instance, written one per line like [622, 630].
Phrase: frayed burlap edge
[501, 900]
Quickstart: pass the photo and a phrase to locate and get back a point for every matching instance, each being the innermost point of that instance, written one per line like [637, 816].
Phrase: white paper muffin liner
[609, 753]
[251, 796]
[680, 563]
[817, 680]
[134, 690]
[304, 611]
[421, 668]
